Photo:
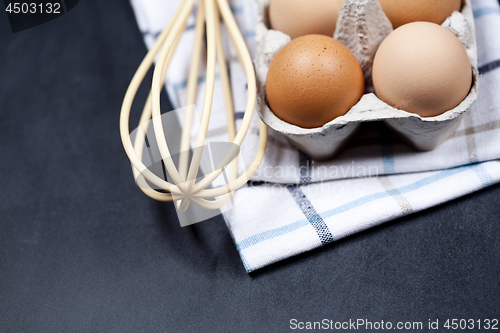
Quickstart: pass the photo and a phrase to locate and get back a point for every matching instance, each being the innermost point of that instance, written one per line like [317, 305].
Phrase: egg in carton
[362, 26]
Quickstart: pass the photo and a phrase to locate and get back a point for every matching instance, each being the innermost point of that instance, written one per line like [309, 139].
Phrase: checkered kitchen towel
[294, 204]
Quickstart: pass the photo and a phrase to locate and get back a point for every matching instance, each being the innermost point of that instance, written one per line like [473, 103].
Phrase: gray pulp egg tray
[361, 26]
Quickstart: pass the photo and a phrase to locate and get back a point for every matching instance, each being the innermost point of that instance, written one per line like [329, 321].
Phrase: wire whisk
[185, 189]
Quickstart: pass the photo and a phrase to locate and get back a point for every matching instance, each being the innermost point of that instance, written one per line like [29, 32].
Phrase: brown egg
[423, 68]
[312, 80]
[303, 17]
[401, 12]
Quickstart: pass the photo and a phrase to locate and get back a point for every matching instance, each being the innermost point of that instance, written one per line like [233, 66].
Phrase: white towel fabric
[294, 204]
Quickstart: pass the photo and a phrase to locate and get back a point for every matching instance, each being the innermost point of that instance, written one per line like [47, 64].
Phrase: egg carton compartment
[362, 25]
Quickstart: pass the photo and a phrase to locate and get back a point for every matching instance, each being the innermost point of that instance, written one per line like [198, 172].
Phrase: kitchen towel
[294, 204]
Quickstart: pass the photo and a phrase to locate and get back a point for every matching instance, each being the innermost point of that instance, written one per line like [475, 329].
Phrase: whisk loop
[185, 189]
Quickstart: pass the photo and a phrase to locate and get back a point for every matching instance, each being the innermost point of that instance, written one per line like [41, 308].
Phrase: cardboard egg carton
[361, 26]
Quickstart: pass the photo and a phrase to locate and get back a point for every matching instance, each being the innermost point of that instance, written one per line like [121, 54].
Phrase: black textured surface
[83, 250]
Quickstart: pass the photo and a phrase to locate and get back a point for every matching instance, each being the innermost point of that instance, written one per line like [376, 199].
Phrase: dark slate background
[83, 250]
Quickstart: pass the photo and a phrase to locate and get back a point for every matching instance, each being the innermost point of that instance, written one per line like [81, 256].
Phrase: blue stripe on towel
[262, 236]
[249, 34]
[401, 190]
[483, 176]
[489, 66]
[485, 11]
[257, 238]
[388, 159]
[324, 234]
[151, 33]
[237, 9]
